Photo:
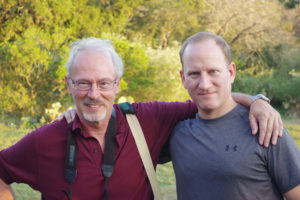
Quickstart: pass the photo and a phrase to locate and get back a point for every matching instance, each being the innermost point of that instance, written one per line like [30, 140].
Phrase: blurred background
[35, 38]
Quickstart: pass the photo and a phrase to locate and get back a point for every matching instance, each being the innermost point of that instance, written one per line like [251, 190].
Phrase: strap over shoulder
[142, 147]
[127, 108]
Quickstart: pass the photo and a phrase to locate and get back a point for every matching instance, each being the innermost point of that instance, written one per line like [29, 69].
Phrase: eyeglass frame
[75, 83]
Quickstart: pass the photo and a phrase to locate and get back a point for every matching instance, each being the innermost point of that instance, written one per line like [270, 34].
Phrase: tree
[247, 26]
[163, 21]
[290, 3]
[32, 76]
[167, 84]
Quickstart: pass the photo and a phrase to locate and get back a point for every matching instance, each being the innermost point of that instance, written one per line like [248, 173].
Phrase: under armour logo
[232, 148]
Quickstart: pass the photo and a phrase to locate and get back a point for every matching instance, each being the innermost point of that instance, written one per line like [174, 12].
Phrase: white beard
[94, 117]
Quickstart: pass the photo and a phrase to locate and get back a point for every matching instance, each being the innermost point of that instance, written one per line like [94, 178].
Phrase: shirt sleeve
[284, 163]
[165, 113]
[157, 120]
[19, 163]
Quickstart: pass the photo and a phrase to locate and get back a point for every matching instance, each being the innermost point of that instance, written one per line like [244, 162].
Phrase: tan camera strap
[144, 153]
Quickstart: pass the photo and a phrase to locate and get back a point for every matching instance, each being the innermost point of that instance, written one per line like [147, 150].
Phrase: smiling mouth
[206, 94]
[93, 106]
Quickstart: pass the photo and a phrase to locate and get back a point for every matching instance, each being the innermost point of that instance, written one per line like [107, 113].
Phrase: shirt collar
[76, 124]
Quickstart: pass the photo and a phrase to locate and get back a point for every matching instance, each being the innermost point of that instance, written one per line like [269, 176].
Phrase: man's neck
[218, 112]
[95, 129]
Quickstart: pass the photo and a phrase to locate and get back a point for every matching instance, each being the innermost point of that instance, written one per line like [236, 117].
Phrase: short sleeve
[19, 163]
[284, 163]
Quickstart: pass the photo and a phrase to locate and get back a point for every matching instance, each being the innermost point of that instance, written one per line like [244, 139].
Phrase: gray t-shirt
[220, 159]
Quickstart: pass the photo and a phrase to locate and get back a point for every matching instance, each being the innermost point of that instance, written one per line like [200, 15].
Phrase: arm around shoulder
[293, 194]
[6, 192]
[264, 115]
[241, 98]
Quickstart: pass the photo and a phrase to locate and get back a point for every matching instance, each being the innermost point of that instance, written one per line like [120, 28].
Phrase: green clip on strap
[142, 146]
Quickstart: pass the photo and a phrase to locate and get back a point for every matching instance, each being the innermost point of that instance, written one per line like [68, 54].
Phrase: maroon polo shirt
[39, 158]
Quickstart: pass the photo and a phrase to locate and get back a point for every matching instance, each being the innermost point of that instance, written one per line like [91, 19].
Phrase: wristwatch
[259, 96]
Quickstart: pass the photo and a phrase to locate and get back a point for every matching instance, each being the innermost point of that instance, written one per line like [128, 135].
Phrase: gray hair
[98, 45]
[201, 36]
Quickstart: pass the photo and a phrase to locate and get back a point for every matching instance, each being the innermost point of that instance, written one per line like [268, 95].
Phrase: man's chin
[94, 117]
[207, 106]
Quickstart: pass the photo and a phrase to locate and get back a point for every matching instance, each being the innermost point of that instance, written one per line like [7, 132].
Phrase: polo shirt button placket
[96, 151]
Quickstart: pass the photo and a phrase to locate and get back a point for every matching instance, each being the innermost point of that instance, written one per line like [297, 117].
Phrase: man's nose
[94, 92]
[204, 82]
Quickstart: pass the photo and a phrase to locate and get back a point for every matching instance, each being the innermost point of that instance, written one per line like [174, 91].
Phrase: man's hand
[6, 192]
[269, 121]
[69, 115]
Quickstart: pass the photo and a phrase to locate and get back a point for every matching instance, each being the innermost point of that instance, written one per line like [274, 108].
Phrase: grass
[294, 130]
[166, 179]
[9, 135]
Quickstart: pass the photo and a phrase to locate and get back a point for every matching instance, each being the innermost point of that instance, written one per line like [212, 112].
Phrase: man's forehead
[203, 67]
[91, 63]
[96, 53]
[203, 50]
[92, 57]
[202, 43]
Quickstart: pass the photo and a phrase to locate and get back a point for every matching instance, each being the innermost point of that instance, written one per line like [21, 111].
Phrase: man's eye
[104, 83]
[82, 83]
[194, 74]
[213, 71]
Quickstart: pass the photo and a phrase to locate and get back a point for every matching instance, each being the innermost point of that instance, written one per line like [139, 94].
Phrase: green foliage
[35, 35]
[290, 3]
[283, 92]
[294, 129]
[162, 21]
[157, 78]
[32, 76]
[136, 65]
[276, 74]
[24, 192]
[9, 135]
[166, 79]
[166, 180]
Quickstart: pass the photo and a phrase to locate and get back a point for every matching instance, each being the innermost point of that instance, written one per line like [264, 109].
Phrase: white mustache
[93, 101]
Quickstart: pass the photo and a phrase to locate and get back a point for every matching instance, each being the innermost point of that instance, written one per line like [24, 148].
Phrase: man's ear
[232, 71]
[118, 85]
[68, 85]
[182, 77]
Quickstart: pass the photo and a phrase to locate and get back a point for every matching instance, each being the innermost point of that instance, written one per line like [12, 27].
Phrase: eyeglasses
[83, 85]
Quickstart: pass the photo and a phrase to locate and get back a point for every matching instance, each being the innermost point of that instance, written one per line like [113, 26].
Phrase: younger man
[215, 155]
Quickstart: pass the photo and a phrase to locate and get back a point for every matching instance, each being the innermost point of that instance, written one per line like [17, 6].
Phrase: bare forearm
[241, 98]
[293, 194]
[263, 114]
[5, 191]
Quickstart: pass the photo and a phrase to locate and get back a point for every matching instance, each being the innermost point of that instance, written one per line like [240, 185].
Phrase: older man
[215, 155]
[67, 161]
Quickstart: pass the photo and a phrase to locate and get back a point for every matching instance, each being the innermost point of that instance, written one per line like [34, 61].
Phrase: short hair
[202, 36]
[98, 45]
